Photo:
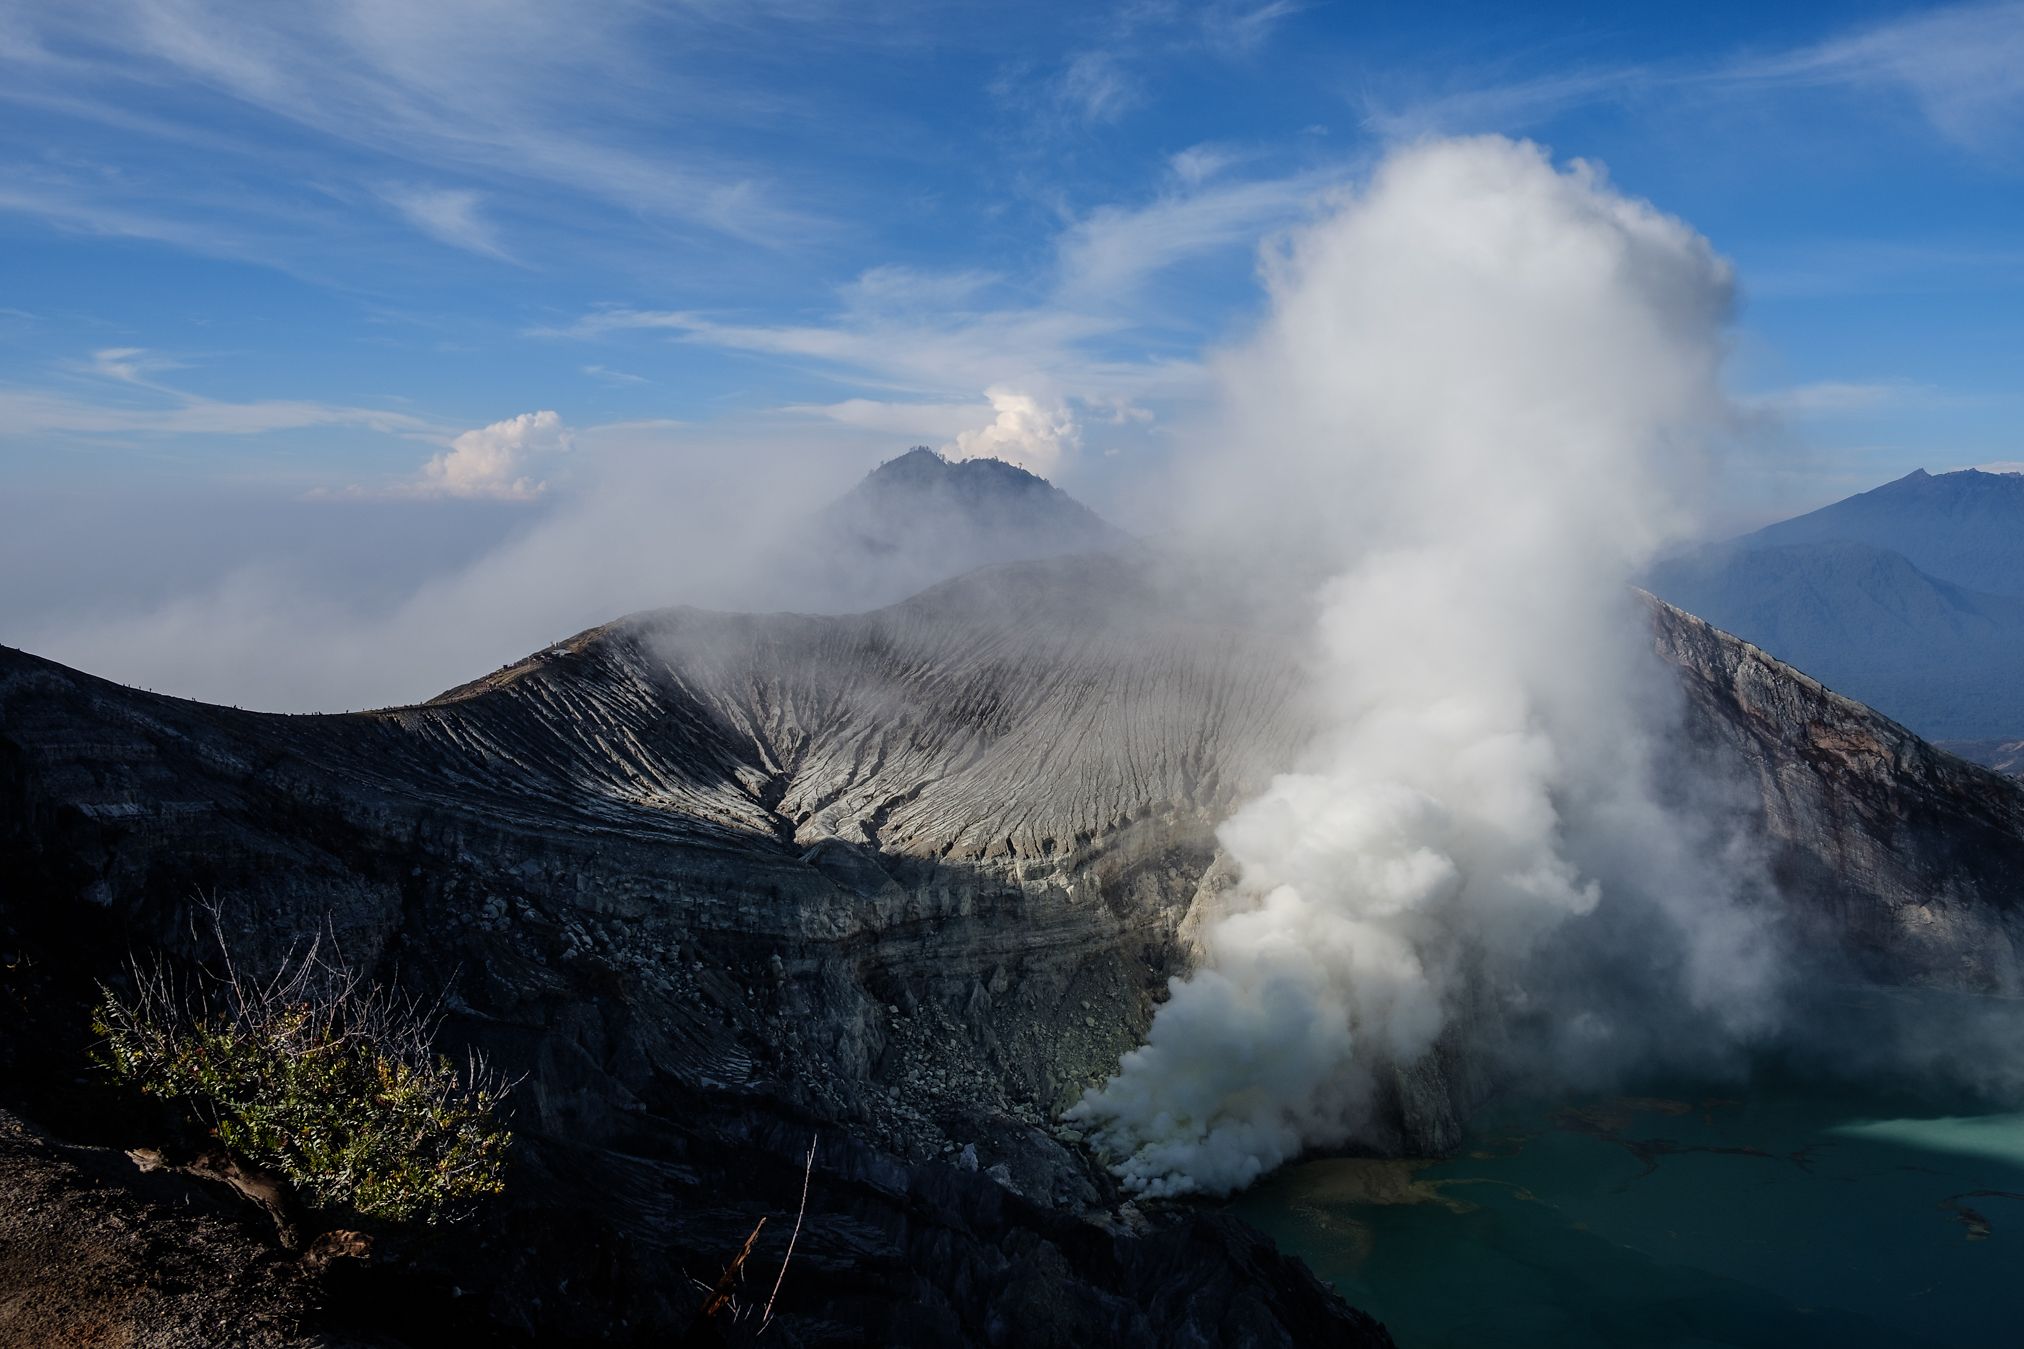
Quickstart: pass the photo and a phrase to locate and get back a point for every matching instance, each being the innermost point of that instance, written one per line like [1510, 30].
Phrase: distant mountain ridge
[1909, 597]
[1966, 527]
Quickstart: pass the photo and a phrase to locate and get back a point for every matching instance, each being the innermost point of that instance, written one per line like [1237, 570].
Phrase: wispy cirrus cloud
[1199, 163]
[1091, 88]
[941, 333]
[918, 422]
[452, 216]
[1836, 266]
[507, 460]
[1507, 106]
[121, 393]
[1095, 86]
[960, 359]
[77, 203]
[1005, 383]
[514, 93]
[894, 288]
[923, 354]
[131, 365]
[1112, 249]
[1828, 398]
[1245, 27]
[1961, 67]
[616, 378]
[118, 395]
[1122, 52]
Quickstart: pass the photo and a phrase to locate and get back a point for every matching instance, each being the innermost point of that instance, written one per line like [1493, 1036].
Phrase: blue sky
[264, 264]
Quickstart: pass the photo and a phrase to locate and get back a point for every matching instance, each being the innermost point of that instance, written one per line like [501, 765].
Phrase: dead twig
[720, 1297]
[807, 1173]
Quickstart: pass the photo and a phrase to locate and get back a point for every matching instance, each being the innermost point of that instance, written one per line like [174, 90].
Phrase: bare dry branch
[721, 1296]
[807, 1173]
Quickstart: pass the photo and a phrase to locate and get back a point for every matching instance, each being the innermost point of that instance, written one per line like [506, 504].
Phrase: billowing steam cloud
[1027, 431]
[1482, 394]
[495, 461]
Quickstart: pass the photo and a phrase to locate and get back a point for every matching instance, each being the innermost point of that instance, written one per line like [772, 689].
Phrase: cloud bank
[1480, 402]
[476, 566]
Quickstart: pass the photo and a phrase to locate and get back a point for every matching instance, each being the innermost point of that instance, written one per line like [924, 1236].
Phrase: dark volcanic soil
[96, 1255]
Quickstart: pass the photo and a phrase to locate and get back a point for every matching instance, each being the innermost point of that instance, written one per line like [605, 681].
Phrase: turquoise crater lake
[1780, 1213]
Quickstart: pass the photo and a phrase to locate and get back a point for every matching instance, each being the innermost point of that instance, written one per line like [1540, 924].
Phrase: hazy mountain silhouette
[1909, 598]
[1965, 527]
[920, 519]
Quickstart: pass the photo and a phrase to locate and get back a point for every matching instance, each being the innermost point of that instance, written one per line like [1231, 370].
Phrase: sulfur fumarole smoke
[1483, 394]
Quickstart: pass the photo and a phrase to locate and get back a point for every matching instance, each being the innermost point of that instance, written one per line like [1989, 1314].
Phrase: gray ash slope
[1902, 859]
[910, 878]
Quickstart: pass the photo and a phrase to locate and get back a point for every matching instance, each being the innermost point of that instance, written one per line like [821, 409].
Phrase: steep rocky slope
[1899, 856]
[906, 881]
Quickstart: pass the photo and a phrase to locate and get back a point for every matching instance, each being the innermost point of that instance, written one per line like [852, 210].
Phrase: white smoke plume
[1483, 397]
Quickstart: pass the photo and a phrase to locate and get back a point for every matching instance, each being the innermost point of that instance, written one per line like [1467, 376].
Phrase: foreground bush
[333, 1083]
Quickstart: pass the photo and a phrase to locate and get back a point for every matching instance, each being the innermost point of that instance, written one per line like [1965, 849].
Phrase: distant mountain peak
[1965, 526]
[1909, 595]
[1955, 480]
[993, 493]
[922, 517]
[921, 465]
[919, 459]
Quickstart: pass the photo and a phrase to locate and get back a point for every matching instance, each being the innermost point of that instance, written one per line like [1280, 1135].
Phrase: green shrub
[314, 1074]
